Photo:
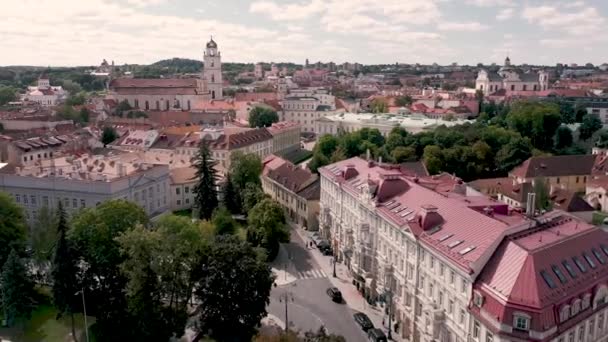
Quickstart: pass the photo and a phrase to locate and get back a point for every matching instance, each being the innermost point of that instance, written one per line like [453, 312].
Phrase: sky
[83, 32]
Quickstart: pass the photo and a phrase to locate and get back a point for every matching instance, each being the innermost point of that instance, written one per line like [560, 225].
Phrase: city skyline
[416, 31]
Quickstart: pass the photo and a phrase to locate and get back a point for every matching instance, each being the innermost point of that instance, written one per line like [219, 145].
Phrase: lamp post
[335, 259]
[84, 308]
[286, 297]
[390, 314]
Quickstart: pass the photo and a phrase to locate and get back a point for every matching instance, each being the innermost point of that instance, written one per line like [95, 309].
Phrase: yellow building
[566, 172]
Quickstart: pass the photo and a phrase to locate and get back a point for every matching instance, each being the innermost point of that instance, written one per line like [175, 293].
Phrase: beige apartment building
[285, 137]
[295, 188]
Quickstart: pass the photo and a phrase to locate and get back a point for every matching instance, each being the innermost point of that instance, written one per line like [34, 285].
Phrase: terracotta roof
[282, 126]
[162, 86]
[256, 97]
[569, 201]
[555, 166]
[416, 168]
[241, 139]
[528, 271]
[182, 175]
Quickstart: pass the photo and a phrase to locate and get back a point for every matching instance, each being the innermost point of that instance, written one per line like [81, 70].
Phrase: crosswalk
[311, 274]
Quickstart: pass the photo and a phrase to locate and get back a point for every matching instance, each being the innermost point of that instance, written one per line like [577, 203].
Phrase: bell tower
[212, 71]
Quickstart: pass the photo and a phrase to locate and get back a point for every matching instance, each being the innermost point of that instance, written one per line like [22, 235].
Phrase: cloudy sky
[82, 32]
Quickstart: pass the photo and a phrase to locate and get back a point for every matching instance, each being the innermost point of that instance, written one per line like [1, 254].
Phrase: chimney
[531, 204]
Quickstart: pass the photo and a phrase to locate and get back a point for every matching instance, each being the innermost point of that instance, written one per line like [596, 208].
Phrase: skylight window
[569, 268]
[579, 264]
[455, 243]
[434, 230]
[559, 274]
[599, 256]
[604, 248]
[548, 279]
[445, 237]
[589, 260]
[467, 250]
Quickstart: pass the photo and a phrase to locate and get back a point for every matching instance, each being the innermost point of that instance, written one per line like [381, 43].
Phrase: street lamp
[84, 307]
[286, 297]
[335, 259]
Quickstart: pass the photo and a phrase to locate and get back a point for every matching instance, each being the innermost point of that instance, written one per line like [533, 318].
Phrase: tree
[230, 197]
[543, 198]
[404, 154]
[326, 145]
[16, 289]
[403, 101]
[71, 87]
[123, 106]
[580, 110]
[76, 99]
[379, 105]
[93, 233]
[205, 189]
[318, 160]
[43, 237]
[12, 227]
[262, 117]
[591, 124]
[7, 94]
[537, 120]
[64, 272]
[252, 195]
[223, 221]
[513, 154]
[84, 115]
[233, 290]
[563, 138]
[338, 155]
[267, 226]
[245, 168]
[433, 159]
[108, 135]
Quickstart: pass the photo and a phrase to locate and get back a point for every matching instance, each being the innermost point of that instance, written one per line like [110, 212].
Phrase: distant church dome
[212, 44]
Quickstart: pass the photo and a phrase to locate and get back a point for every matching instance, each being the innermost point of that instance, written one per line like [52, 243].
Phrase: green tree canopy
[591, 124]
[537, 120]
[262, 117]
[7, 94]
[205, 189]
[379, 105]
[267, 226]
[235, 292]
[231, 198]
[16, 289]
[563, 137]
[252, 195]
[108, 135]
[404, 154]
[223, 221]
[245, 168]
[12, 226]
[403, 101]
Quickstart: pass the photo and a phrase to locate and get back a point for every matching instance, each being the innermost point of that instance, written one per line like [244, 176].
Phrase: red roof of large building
[469, 228]
[556, 166]
[542, 269]
[162, 86]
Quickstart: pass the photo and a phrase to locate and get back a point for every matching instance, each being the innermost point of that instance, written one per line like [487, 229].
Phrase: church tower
[212, 71]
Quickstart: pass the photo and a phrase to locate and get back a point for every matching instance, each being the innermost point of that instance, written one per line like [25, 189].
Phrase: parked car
[376, 335]
[323, 245]
[334, 294]
[364, 322]
[327, 250]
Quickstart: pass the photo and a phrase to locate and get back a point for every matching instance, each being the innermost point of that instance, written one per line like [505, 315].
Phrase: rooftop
[556, 166]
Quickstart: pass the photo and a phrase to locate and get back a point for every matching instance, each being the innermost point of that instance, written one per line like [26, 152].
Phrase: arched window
[147, 105]
[188, 104]
[212, 78]
[564, 313]
[586, 301]
[136, 103]
[576, 307]
[176, 103]
[167, 104]
[157, 105]
[213, 94]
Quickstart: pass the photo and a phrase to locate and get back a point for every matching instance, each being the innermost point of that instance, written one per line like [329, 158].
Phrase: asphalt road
[309, 306]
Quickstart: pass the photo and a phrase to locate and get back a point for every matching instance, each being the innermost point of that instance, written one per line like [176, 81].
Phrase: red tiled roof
[282, 126]
[167, 86]
[241, 139]
[256, 97]
[512, 279]
[400, 199]
[556, 166]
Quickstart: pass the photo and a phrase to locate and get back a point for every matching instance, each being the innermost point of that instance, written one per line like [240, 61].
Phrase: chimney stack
[531, 204]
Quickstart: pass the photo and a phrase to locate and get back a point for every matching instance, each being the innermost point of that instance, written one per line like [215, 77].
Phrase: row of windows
[38, 156]
[176, 104]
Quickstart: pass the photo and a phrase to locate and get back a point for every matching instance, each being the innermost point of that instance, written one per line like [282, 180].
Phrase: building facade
[307, 105]
[85, 182]
[176, 94]
[427, 251]
[44, 94]
[294, 188]
[285, 137]
[511, 78]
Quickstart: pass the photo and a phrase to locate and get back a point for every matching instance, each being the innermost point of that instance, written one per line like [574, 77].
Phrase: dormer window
[564, 313]
[521, 321]
[576, 307]
[477, 299]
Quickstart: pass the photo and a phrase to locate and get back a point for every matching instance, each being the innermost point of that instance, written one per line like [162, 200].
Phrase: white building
[87, 181]
[44, 94]
[459, 268]
[307, 105]
[511, 78]
[350, 122]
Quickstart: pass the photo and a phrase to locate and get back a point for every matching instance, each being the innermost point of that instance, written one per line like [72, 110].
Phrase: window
[463, 285]
[18, 198]
[179, 202]
[477, 299]
[74, 203]
[512, 87]
[33, 200]
[187, 189]
[489, 336]
[476, 330]
[559, 274]
[557, 180]
[45, 201]
[430, 290]
[577, 179]
[591, 328]
[579, 264]
[442, 269]
[569, 268]
[82, 203]
[462, 316]
[564, 313]
[450, 306]
[452, 277]
[589, 260]
[599, 256]
[571, 336]
[521, 322]
[548, 280]
[581, 333]
[441, 298]
[24, 199]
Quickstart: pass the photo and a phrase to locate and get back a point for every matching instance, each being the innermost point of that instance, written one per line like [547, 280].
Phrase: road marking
[311, 274]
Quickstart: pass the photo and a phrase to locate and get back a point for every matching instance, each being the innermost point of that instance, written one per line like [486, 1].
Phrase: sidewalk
[343, 282]
[283, 269]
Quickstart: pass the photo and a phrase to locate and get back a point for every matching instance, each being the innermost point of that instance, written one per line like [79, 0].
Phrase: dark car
[364, 322]
[376, 335]
[335, 294]
[324, 247]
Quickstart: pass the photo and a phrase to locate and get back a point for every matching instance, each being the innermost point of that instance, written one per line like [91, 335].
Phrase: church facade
[511, 78]
[173, 94]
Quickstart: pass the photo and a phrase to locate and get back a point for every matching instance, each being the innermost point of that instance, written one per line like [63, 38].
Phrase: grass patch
[43, 326]
[185, 213]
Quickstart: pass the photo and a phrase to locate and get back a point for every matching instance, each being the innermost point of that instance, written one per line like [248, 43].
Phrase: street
[309, 306]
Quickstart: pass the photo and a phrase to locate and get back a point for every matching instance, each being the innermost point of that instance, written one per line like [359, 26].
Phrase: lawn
[43, 326]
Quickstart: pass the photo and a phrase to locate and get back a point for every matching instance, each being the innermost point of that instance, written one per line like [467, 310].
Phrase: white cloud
[505, 14]
[145, 3]
[585, 21]
[464, 27]
[490, 3]
[287, 12]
